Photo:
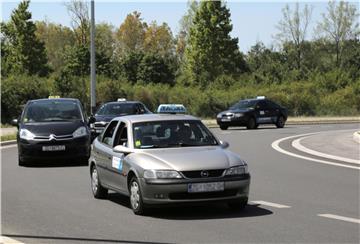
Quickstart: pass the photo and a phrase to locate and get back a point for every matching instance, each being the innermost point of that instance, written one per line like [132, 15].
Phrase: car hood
[188, 159]
[56, 128]
[103, 118]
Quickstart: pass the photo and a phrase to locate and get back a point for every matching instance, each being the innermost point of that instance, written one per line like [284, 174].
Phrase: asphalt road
[292, 200]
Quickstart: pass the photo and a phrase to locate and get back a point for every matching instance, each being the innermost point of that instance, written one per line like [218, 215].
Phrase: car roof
[156, 117]
[122, 102]
[55, 99]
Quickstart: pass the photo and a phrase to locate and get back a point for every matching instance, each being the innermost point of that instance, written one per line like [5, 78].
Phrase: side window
[108, 136]
[121, 137]
[261, 105]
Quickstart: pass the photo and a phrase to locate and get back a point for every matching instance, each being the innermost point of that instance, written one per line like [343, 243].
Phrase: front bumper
[176, 191]
[74, 149]
[233, 121]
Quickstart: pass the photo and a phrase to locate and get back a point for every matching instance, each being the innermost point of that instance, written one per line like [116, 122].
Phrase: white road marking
[8, 240]
[9, 146]
[270, 204]
[297, 144]
[275, 146]
[338, 217]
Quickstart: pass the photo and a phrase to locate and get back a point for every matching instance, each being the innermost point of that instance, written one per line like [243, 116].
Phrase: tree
[293, 28]
[56, 39]
[159, 39]
[21, 50]
[79, 13]
[130, 35]
[186, 23]
[211, 51]
[339, 24]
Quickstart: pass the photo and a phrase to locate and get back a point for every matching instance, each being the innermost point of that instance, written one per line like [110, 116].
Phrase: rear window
[52, 111]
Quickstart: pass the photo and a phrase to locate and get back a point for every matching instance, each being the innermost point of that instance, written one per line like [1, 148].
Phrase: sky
[252, 20]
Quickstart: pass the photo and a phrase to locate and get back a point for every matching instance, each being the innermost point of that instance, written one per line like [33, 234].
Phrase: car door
[263, 112]
[116, 164]
[104, 149]
[274, 111]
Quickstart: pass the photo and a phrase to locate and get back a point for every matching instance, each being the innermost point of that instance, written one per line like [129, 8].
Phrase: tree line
[203, 62]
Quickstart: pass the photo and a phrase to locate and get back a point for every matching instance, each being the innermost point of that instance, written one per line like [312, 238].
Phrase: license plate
[54, 148]
[225, 120]
[206, 187]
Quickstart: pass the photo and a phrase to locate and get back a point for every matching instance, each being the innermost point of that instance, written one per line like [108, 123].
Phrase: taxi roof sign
[121, 99]
[54, 97]
[171, 109]
[260, 97]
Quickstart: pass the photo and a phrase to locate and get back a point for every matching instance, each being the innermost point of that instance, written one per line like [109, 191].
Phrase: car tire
[21, 162]
[136, 201]
[251, 124]
[224, 127]
[98, 190]
[238, 204]
[280, 123]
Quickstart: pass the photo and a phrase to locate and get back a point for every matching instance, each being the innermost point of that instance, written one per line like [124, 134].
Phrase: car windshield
[244, 104]
[172, 133]
[116, 109]
[52, 111]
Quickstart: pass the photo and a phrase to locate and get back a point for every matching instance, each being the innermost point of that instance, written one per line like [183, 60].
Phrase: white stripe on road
[275, 145]
[297, 144]
[7, 240]
[338, 217]
[270, 204]
[9, 146]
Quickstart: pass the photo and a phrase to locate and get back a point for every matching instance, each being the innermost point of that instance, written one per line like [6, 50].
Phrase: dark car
[111, 110]
[253, 112]
[53, 129]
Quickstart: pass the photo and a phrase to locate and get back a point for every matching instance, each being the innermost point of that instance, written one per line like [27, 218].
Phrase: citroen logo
[204, 173]
[52, 137]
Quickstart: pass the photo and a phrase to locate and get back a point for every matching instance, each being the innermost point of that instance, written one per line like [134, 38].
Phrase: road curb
[324, 122]
[6, 143]
[356, 136]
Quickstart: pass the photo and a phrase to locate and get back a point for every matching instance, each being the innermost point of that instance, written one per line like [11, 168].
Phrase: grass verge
[9, 137]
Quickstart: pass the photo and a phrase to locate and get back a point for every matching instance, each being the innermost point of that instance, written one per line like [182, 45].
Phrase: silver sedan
[162, 159]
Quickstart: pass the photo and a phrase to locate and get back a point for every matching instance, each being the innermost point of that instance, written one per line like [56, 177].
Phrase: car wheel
[21, 162]
[251, 124]
[136, 202]
[224, 127]
[280, 123]
[238, 204]
[97, 189]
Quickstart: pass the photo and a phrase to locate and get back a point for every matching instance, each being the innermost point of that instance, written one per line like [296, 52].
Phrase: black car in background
[111, 110]
[253, 112]
[53, 129]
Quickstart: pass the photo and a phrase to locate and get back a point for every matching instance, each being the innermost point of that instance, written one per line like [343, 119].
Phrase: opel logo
[204, 173]
[52, 137]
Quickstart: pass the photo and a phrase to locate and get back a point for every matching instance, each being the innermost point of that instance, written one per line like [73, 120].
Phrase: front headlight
[81, 131]
[161, 174]
[238, 115]
[26, 134]
[238, 170]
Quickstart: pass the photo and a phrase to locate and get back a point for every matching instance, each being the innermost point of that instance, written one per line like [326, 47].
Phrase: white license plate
[54, 148]
[225, 120]
[206, 187]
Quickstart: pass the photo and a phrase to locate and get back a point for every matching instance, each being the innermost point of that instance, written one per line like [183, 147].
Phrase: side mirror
[224, 144]
[91, 120]
[122, 149]
[15, 122]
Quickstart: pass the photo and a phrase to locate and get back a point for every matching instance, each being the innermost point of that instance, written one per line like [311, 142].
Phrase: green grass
[8, 137]
[6, 126]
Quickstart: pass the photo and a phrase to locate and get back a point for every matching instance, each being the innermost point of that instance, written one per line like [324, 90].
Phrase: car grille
[198, 174]
[202, 195]
[54, 137]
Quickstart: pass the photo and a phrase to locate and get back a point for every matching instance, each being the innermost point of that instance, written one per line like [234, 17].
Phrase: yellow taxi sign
[53, 97]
